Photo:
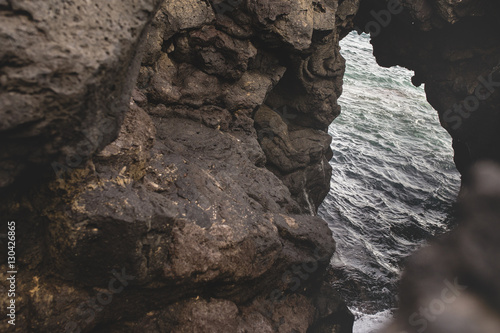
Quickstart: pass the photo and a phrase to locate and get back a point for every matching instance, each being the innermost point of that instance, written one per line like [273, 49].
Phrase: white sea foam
[371, 323]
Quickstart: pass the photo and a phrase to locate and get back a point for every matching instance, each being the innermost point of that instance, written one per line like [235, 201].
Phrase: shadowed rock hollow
[179, 194]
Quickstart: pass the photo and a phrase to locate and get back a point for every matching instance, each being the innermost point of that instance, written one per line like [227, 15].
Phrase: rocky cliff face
[179, 194]
[199, 215]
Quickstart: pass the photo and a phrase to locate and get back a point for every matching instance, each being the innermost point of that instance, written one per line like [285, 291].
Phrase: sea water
[393, 184]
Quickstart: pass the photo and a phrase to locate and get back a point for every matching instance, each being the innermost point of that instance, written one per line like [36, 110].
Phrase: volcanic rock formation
[200, 214]
[179, 194]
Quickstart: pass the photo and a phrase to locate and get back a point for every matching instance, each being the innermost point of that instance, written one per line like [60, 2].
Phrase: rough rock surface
[190, 206]
[59, 101]
[199, 216]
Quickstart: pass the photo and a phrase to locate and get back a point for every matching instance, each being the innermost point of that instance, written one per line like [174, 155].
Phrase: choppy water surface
[393, 181]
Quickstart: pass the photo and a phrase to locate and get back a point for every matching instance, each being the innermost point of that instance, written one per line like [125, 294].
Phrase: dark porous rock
[184, 218]
[200, 234]
[298, 155]
[60, 99]
[219, 63]
[185, 197]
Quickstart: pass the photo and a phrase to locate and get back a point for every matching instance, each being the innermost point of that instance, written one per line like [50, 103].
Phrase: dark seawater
[393, 184]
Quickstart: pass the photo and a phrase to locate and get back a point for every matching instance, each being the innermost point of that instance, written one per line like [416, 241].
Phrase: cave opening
[204, 199]
[393, 183]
